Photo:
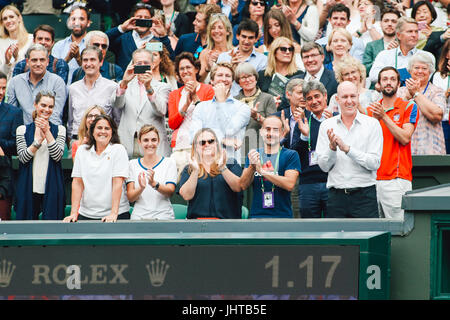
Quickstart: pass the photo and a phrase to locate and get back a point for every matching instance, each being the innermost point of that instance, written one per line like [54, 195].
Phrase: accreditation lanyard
[276, 170]
[425, 90]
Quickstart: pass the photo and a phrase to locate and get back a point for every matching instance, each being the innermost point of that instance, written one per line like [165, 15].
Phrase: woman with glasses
[260, 103]
[280, 68]
[339, 43]
[254, 10]
[210, 183]
[370, 29]
[85, 124]
[152, 179]
[219, 35]
[303, 17]
[351, 69]
[14, 39]
[182, 103]
[40, 147]
[99, 173]
[441, 79]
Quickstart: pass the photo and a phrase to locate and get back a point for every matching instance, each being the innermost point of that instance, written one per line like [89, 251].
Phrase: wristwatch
[150, 91]
[36, 144]
[156, 186]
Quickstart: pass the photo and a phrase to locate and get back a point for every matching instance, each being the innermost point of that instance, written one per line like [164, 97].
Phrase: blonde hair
[22, 31]
[341, 31]
[216, 17]
[83, 129]
[271, 61]
[347, 63]
[214, 169]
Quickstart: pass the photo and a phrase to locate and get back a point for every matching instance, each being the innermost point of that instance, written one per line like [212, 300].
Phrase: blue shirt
[21, 93]
[257, 59]
[104, 71]
[61, 68]
[289, 160]
[60, 50]
[227, 119]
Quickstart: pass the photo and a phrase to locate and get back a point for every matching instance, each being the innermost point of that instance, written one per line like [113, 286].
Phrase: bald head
[348, 98]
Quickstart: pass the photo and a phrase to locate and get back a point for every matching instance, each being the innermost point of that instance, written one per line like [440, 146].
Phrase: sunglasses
[286, 49]
[261, 3]
[100, 45]
[203, 142]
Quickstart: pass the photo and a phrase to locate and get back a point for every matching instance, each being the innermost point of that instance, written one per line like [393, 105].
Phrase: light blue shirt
[60, 50]
[257, 59]
[228, 119]
[21, 93]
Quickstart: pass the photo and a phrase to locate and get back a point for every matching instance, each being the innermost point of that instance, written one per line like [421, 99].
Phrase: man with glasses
[69, 48]
[195, 42]
[313, 57]
[108, 70]
[23, 88]
[45, 35]
[272, 171]
[128, 36]
[225, 115]
[247, 35]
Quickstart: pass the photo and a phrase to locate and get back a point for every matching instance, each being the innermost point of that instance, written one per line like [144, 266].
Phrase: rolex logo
[157, 271]
[6, 272]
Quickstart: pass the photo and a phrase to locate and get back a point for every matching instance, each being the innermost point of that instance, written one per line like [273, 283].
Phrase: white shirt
[317, 76]
[97, 172]
[443, 83]
[357, 168]
[81, 98]
[393, 58]
[151, 204]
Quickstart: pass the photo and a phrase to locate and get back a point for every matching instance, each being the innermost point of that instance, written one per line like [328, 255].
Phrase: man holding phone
[141, 100]
[135, 32]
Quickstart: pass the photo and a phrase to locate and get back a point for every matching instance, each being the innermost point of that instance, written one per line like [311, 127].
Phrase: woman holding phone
[425, 14]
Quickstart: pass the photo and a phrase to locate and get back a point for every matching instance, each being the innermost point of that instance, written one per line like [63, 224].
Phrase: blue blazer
[286, 143]
[327, 79]
[123, 46]
[10, 118]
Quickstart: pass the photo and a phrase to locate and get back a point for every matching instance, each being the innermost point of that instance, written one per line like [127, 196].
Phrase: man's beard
[389, 94]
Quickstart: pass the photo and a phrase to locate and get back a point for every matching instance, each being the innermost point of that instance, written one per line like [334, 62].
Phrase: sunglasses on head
[286, 49]
[261, 3]
[197, 52]
[100, 45]
[203, 142]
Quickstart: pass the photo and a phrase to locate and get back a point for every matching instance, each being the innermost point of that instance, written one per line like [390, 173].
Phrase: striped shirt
[55, 150]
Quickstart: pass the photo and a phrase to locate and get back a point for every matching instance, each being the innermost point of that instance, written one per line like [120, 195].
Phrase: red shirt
[205, 93]
[396, 160]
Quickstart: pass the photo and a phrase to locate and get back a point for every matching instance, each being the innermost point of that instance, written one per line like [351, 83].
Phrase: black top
[213, 197]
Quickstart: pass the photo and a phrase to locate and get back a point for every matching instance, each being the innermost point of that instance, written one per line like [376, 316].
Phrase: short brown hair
[46, 28]
[221, 64]
[146, 128]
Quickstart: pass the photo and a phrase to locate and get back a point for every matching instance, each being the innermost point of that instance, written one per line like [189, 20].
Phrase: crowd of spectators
[208, 98]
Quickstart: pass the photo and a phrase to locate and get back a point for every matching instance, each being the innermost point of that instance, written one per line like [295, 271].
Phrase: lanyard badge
[268, 197]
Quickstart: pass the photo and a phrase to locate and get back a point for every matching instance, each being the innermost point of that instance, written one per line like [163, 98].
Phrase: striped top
[40, 159]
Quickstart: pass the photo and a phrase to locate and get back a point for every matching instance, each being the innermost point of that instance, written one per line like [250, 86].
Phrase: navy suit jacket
[327, 79]
[123, 46]
[286, 143]
[10, 118]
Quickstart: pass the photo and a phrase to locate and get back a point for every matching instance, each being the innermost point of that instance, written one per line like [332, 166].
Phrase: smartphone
[141, 69]
[144, 23]
[422, 25]
[154, 46]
